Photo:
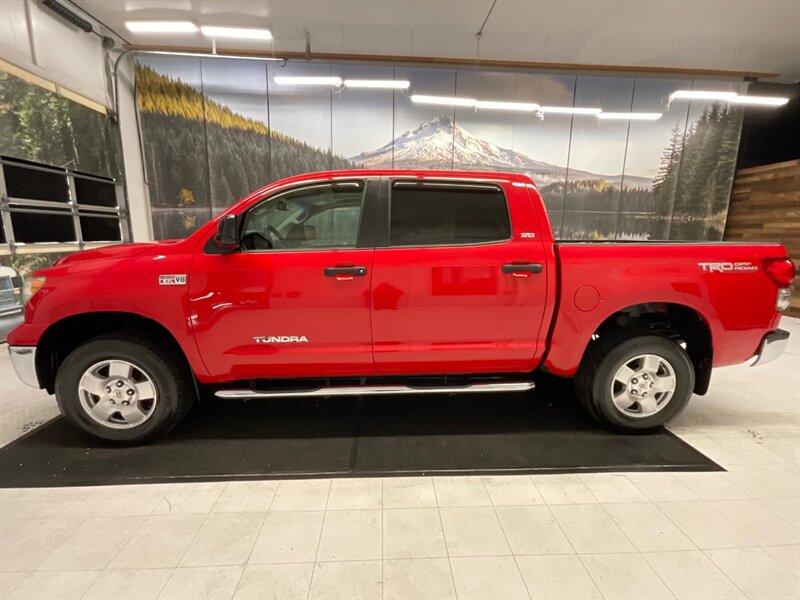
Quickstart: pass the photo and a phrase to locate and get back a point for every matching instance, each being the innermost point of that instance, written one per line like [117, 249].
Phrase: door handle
[345, 273]
[522, 269]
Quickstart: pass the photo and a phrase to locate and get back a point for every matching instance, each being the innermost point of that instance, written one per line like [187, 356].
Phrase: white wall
[138, 192]
[34, 39]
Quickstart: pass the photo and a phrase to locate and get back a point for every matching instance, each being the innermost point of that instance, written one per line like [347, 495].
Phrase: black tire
[607, 355]
[170, 376]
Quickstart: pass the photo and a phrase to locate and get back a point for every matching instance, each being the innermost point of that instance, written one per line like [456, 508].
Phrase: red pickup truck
[392, 282]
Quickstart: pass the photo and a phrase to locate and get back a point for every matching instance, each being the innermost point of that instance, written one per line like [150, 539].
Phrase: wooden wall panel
[765, 206]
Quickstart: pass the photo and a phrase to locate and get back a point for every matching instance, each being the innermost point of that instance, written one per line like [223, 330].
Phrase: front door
[294, 300]
[458, 289]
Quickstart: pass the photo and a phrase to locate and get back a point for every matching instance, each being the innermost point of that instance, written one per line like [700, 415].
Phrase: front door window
[317, 217]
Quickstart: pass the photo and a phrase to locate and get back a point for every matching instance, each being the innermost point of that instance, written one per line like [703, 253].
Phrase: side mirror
[228, 233]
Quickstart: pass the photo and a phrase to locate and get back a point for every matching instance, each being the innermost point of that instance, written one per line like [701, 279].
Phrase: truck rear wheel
[123, 389]
[635, 381]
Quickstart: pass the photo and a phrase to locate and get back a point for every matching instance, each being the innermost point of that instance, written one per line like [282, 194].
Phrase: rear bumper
[772, 346]
[24, 360]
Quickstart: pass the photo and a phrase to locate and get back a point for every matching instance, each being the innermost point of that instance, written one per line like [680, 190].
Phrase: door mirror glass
[227, 233]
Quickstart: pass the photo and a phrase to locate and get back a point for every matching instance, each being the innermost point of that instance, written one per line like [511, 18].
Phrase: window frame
[433, 183]
[73, 209]
[243, 216]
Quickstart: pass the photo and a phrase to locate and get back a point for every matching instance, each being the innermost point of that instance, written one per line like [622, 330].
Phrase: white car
[10, 291]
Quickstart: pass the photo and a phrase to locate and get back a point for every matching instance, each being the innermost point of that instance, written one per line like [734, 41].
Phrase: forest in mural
[41, 126]
[201, 155]
[214, 130]
[695, 175]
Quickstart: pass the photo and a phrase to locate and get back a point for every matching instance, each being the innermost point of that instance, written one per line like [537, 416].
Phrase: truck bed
[724, 282]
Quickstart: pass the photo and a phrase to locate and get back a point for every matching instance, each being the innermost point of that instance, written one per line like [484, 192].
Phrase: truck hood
[116, 252]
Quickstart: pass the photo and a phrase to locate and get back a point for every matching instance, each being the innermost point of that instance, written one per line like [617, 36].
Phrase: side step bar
[377, 390]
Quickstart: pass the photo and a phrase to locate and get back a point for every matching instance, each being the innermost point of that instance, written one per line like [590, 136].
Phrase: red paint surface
[418, 310]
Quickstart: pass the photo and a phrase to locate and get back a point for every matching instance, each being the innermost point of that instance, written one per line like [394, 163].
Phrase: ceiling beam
[503, 64]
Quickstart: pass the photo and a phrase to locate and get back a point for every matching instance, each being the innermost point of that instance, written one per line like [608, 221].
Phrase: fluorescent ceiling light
[701, 95]
[731, 97]
[288, 80]
[571, 110]
[630, 116]
[392, 84]
[211, 55]
[236, 32]
[760, 100]
[443, 100]
[493, 105]
[161, 26]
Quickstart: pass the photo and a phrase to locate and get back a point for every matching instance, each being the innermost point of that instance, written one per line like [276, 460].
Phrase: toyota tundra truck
[392, 282]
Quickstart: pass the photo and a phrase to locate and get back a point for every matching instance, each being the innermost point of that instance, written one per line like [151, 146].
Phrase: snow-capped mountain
[441, 144]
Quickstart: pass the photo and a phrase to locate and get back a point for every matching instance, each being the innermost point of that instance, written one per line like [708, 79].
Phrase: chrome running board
[377, 390]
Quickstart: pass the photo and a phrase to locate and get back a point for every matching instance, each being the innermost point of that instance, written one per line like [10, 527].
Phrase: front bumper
[772, 346]
[24, 360]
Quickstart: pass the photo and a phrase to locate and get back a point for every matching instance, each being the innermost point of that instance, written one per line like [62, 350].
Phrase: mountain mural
[442, 144]
[201, 153]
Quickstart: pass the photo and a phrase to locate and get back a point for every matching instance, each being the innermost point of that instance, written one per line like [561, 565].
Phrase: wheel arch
[680, 322]
[66, 334]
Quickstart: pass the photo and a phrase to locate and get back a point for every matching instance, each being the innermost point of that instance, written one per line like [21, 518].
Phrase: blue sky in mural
[647, 139]
[362, 119]
[243, 88]
[303, 112]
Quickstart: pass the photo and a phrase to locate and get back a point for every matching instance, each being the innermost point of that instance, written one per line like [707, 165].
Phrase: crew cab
[392, 282]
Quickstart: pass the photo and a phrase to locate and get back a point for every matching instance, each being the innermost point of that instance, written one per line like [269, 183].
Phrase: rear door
[459, 284]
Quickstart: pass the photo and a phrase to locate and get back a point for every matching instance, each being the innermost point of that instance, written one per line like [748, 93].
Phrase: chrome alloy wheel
[643, 386]
[117, 394]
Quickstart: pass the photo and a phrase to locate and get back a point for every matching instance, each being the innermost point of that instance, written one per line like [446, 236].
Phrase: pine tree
[664, 183]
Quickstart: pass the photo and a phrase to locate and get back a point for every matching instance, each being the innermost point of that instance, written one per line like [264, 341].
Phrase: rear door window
[447, 215]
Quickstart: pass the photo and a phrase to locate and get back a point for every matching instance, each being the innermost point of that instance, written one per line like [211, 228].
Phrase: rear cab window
[444, 214]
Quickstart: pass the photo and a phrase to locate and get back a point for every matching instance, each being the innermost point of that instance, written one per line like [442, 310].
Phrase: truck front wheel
[635, 381]
[123, 389]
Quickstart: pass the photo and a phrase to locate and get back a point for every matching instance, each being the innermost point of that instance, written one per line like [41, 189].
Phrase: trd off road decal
[728, 267]
[172, 279]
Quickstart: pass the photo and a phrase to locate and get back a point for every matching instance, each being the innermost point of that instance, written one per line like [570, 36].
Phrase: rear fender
[574, 329]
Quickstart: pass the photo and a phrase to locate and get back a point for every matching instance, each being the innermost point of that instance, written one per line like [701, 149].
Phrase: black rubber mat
[544, 431]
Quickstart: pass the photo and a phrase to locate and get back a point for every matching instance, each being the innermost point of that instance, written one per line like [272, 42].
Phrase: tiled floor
[719, 535]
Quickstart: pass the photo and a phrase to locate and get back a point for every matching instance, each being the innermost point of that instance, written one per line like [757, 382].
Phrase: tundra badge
[279, 339]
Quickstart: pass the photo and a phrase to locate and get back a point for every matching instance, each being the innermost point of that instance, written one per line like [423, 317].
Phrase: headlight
[32, 285]
[784, 299]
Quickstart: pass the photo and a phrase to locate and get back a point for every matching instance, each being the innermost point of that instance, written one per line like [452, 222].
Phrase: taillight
[780, 270]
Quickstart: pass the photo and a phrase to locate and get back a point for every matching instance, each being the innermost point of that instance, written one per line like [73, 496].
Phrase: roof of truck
[419, 173]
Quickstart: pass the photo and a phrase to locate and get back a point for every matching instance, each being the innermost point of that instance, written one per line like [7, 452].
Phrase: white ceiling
[743, 35]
